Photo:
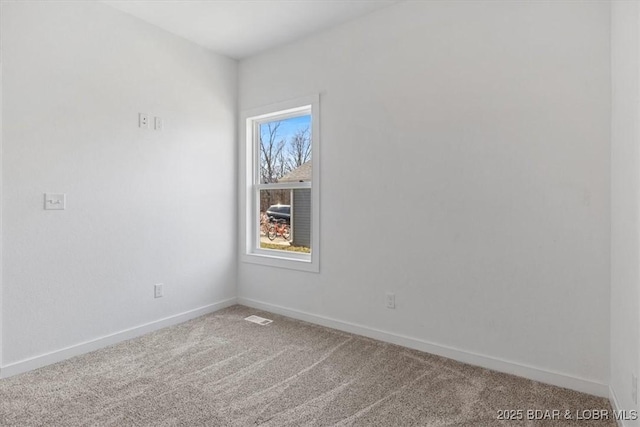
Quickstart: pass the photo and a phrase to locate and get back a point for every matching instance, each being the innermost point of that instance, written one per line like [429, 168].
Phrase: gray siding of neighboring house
[301, 221]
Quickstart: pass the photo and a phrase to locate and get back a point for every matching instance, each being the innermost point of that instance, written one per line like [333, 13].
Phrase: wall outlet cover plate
[55, 201]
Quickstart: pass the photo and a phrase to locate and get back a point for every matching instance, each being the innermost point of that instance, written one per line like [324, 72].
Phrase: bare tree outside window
[271, 149]
[285, 145]
[299, 148]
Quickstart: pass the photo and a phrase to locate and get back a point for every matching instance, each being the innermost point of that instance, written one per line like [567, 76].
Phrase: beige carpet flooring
[220, 370]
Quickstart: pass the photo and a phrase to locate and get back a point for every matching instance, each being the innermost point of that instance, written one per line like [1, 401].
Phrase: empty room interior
[318, 212]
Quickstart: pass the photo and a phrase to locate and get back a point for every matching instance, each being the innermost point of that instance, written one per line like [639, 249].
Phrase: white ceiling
[242, 28]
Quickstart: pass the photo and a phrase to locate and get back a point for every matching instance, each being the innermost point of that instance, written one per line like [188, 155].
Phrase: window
[279, 164]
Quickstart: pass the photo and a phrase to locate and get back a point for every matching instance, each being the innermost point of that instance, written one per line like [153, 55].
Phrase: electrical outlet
[634, 388]
[391, 300]
[158, 124]
[158, 292]
[55, 201]
[143, 121]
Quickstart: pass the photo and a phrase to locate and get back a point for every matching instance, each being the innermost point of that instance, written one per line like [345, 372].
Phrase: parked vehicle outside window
[280, 212]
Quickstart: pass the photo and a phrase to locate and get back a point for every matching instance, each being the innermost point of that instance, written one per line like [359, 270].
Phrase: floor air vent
[259, 320]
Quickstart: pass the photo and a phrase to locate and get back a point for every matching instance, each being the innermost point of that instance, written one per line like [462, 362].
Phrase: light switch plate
[55, 201]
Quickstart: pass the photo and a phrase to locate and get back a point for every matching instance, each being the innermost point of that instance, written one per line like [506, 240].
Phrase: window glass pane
[285, 150]
[285, 220]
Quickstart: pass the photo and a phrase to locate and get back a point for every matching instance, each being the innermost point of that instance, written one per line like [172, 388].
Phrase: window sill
[300, 262]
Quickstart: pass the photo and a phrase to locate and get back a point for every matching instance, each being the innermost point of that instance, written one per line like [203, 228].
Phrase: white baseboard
[536, 374]
[614, 405]
[98, 343]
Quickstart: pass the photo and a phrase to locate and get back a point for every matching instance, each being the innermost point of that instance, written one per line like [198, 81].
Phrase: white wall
[466, 167]
[144, 207]
[625, 191]
[1, 136]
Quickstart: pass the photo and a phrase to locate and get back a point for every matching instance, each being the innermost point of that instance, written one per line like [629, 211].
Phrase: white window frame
[250, 185]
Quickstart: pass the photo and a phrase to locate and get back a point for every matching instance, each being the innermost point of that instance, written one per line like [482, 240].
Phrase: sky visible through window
[289, 127]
